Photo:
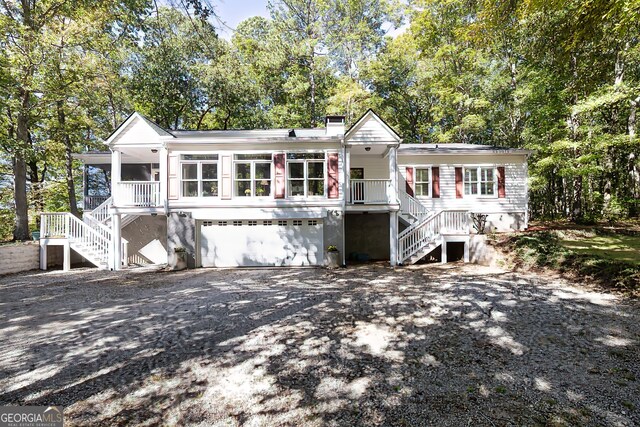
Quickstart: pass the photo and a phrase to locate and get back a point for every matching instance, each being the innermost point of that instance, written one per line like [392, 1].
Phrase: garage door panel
[261, 243]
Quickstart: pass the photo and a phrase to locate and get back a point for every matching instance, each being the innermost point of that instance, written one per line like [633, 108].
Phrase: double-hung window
[480, 181]
[422, 182]
[252, 173]
[199, 175]
[305, 174]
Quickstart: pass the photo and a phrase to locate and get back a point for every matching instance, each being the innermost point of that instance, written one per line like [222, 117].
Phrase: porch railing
[92, 241]
[370, 191]
[92, 202]
[429, 230]
[138, 193]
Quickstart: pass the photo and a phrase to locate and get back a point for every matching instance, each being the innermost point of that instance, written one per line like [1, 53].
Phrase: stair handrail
[418, 235]
[408, 203]
[101, 212]
[429, 229]
[100, 227]
[412, 206]
[418, 223]
[67, 225]
[105, 231]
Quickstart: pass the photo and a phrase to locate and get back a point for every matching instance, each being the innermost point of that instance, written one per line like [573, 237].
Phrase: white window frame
[415, 178]
[416, 182]
[306, 178]
[252, 173]
[480, 181]
[198, 179]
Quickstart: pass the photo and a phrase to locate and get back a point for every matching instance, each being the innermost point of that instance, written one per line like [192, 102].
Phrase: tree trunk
[312, 87]
[68, 158]
[631, 122]
[21, 230]
[619, 66]
[634, 169]
[36, 179]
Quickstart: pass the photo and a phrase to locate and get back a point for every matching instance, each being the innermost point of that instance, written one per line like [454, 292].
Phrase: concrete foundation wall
[147, 237]
[504, 222]
[55, 257]
[18, 257]
[181, 232]
[332, 231]
[368, 234]
[480, 252]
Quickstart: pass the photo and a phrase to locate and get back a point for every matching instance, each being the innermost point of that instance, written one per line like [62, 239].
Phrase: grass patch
[610, 247]
[610, 259]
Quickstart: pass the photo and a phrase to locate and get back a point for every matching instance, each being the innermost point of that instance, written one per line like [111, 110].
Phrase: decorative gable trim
[371, 115]
[137, 116]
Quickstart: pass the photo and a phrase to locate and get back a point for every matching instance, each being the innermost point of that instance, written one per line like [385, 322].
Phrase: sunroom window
[422, 182]
[305, 174]
[199, 175]
[252, 173]
[479, 181]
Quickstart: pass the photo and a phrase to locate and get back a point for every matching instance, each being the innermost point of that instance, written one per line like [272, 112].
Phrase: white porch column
[116, 173]
[347, 175]
[43, 256]
[66, 260]
[345, 192]
[393, 238]
[116, 244]
[164, 177]
[467, 243]
[443, 257]
[393, 175]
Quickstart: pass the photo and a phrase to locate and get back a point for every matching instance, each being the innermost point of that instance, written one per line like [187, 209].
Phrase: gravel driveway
[431, 345]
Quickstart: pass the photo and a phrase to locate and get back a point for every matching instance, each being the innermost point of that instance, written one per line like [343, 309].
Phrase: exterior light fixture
[154, 150]
[367, 148]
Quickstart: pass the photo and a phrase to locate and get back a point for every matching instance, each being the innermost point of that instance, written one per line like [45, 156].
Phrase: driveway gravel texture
[368, 345]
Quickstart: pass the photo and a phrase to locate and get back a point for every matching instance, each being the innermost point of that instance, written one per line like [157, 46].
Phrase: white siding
[371, 131]
[375, 167]
[515, 182]
[136, 132]
[225, 176]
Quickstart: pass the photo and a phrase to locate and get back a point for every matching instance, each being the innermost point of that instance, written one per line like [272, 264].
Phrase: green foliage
[547, 249]
[559, 77]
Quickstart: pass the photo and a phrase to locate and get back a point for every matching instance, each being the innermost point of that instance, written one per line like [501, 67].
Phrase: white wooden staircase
[90, 237]
[426, 230]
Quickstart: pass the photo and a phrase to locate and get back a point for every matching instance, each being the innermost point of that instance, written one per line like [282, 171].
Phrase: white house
[280, 197]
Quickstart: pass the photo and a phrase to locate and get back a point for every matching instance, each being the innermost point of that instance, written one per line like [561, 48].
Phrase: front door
[357, 186]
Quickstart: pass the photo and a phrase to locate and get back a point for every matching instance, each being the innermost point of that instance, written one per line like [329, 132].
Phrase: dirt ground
[428, 345]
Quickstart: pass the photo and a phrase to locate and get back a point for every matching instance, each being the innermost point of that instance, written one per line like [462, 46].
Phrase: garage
[260, 243]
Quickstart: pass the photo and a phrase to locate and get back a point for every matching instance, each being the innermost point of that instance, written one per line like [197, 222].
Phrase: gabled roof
[371, 115]
[137, 116]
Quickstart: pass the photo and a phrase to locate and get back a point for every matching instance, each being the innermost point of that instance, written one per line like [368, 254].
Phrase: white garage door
[261, 243]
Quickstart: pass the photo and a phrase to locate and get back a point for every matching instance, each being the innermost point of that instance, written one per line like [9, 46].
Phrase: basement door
[261, 243]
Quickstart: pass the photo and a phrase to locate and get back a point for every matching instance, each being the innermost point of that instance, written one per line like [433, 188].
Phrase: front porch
[124, 179]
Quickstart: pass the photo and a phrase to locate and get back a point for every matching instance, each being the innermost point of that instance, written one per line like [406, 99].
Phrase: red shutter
[435, 177]
[410, 181]
[501, 187]
[278, 160]
[332, 172]
[459, 183]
